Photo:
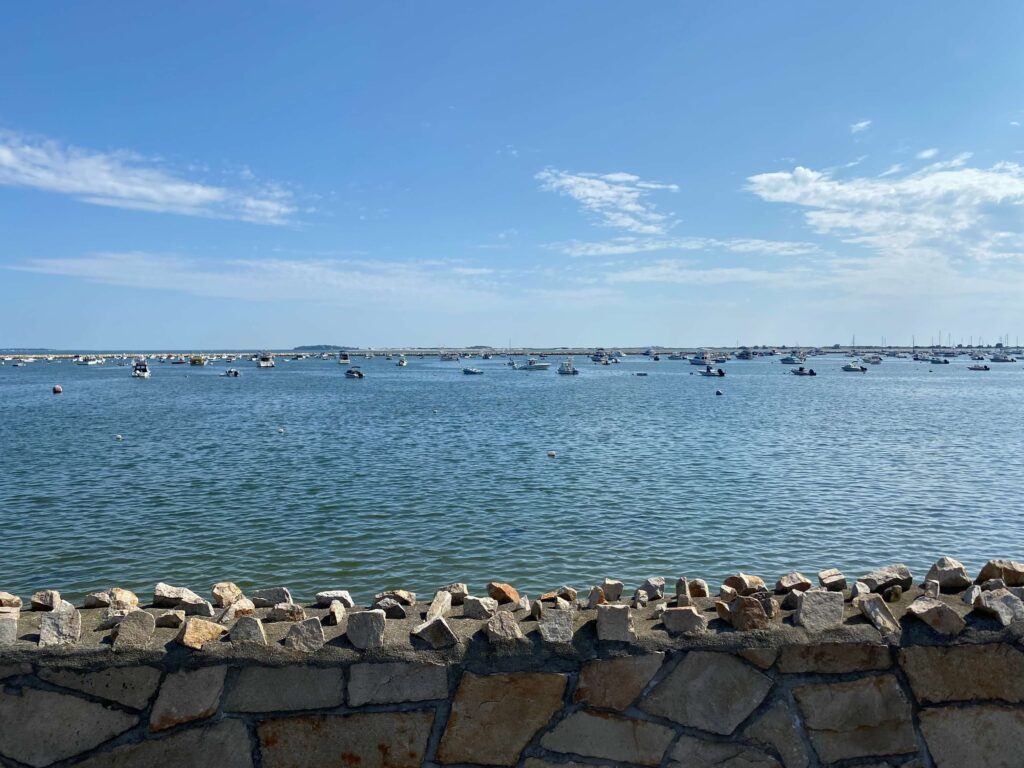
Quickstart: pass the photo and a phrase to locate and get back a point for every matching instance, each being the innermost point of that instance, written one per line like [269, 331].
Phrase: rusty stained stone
[503, 593]
[942, 674]
[514, 706]
[225, 593]
[616, 683]
[833, 658]
[366, 740]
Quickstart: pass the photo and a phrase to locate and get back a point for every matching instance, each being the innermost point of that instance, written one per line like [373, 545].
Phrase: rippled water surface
[420, 476]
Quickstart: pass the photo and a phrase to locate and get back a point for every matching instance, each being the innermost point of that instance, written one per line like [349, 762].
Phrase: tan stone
[615, 623]
[791, 581]
[1009, 571]
[744, 583]
[878, 613]
[286, 612]
[7, 600]
[187, 696]
[45, 600]
[459, 592]
[860, 718]
[832, 579]
[684, 620]
[833, 658]
[937, 615]
[243, 606]
[503, 593]
[225, 593]
[514, 705]
[974, 736]
[747, 613]
[336, 615]
[222, 745]
[690, 752]
[400, 596]
[760, 657]
[395, 682]
[890, 575]
[940, 674]
[778, 728]
[950, 574]
[280, 689]
[195, 632]
[166, 596]
[609, 737]
[440, 606]
[616, 683]
[502, 626]
[42, 727]
[699, 588]
[172, 618]
[711, 691]
[366, 740]
[132, 686]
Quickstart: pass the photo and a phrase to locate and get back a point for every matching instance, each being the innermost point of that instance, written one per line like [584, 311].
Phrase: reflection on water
[420, 476]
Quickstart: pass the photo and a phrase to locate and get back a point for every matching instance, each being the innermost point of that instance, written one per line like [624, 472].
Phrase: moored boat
[801, 371]
[472, 371]
[855, 367]
[567, 368]
[140, 370]
[354, 373]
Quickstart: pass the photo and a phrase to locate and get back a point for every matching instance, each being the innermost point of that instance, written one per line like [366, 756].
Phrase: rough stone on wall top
[225, 593]
[615, 623]
[889, 576]
[937, 615]
[305, 636]
[61, 626]
[950, 574]
[324, 599]
[45, 600]
[366, 629]
[714, 692]
[195, 632]
[166, 596]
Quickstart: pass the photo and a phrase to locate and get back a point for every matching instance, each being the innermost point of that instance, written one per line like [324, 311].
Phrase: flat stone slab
[974, 736]
[395, 682]
[223, 745]
[515, 706]
[833, 658]
[186, 696]
[130, 685]
[279, 689]
[372, 740]
[42, 727]
[609, 737]
[711, 691]
[616, 683]
[941, 674]
[691, 752]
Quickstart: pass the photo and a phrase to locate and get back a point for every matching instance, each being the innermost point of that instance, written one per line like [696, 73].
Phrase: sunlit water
[420, 476]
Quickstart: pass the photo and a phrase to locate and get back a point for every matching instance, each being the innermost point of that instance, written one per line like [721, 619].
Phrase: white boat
[793, 360]
[567, 368]
[344, 359]
[232, 373]
[855, 368]
[709, 371]
[266, 360]
[1000, 357]
[801, 371]
[938, 361]
[872, 359]
[449, 357]
[140, 370]
[402, 362]
[599, 355]
[354, 373]
[677, 356]
[702, 357]
[978, 368]
[472, 371]
[88, 360]
[534, 365]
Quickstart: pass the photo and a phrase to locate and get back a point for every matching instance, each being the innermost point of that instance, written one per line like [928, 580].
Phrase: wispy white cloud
[622, 246]
[860, 126]
[124, 179]
[618, 200]
[686, 273]
[1015, 123]
[891, 170]
[927, 154]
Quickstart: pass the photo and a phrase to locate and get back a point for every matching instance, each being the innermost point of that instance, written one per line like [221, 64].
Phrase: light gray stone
[791, 581]
[437, 634]
[286, 612]
[186, 696]
[9, 628]
[522, 604]
[878, 613]
[860, 718]
[458, 591]
[132, 686]
[396, 682]
[248, 630]
[699, 588]
[979, 736]
[400, 596]
[324, 599]
[993, 584]
[172, 618]
[950, 573]
[819, 611]
[1009, 571]
[197, 606]
[971, 594]
[225, 593]
[859, 589]
[440, 606]
[779, 728]
[931, 588]
[937, 615]
[556, 626]
[654, 587]
[891, 575]
[392, 608]
[792, 599]
[243, 606]
[135, 631]
[685, 620]
[112, 617]
[305, 636]
[278, 689]
[166, 596]
[42, 727]
[832, 579]
[1002, 604]
[46, 600]
[691, 752]
[502, 627]
[221, 745]
[366, 629]
[609, 737]
[366, 740]
[480, 607]
[615, 623]
[62, 626]
[711, 691]
[640, 600]
[612, 589]
[268, 598]
[337, 614]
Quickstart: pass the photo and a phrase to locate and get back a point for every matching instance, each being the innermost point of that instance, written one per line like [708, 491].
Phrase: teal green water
[419, 476]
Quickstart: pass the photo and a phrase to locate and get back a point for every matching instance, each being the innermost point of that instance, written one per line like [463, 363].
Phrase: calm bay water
[419, 476]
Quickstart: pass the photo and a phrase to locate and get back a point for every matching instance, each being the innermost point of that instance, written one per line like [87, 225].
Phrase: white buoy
[118, 437]
[551, 454]
[280, 430]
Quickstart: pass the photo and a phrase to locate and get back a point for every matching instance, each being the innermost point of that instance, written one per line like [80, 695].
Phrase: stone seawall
[881, 672]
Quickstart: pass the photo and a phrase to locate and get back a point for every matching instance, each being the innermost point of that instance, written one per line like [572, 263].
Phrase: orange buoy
[57, 389]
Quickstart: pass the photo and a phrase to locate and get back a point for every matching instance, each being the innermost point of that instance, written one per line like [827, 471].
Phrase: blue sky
[269, 174]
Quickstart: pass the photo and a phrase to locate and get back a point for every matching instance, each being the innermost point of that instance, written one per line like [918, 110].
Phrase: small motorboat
[978, 368]
[354, 373]
[472, 371]
[232, 373]
[855, 368]
[793, 360]
[640, 373]
[344, 359]
[265, 360]
[533, 365]
[402, 362]
[567, 368]
[801, 371]
[140, 370]
[709, 371]
[938, 361]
